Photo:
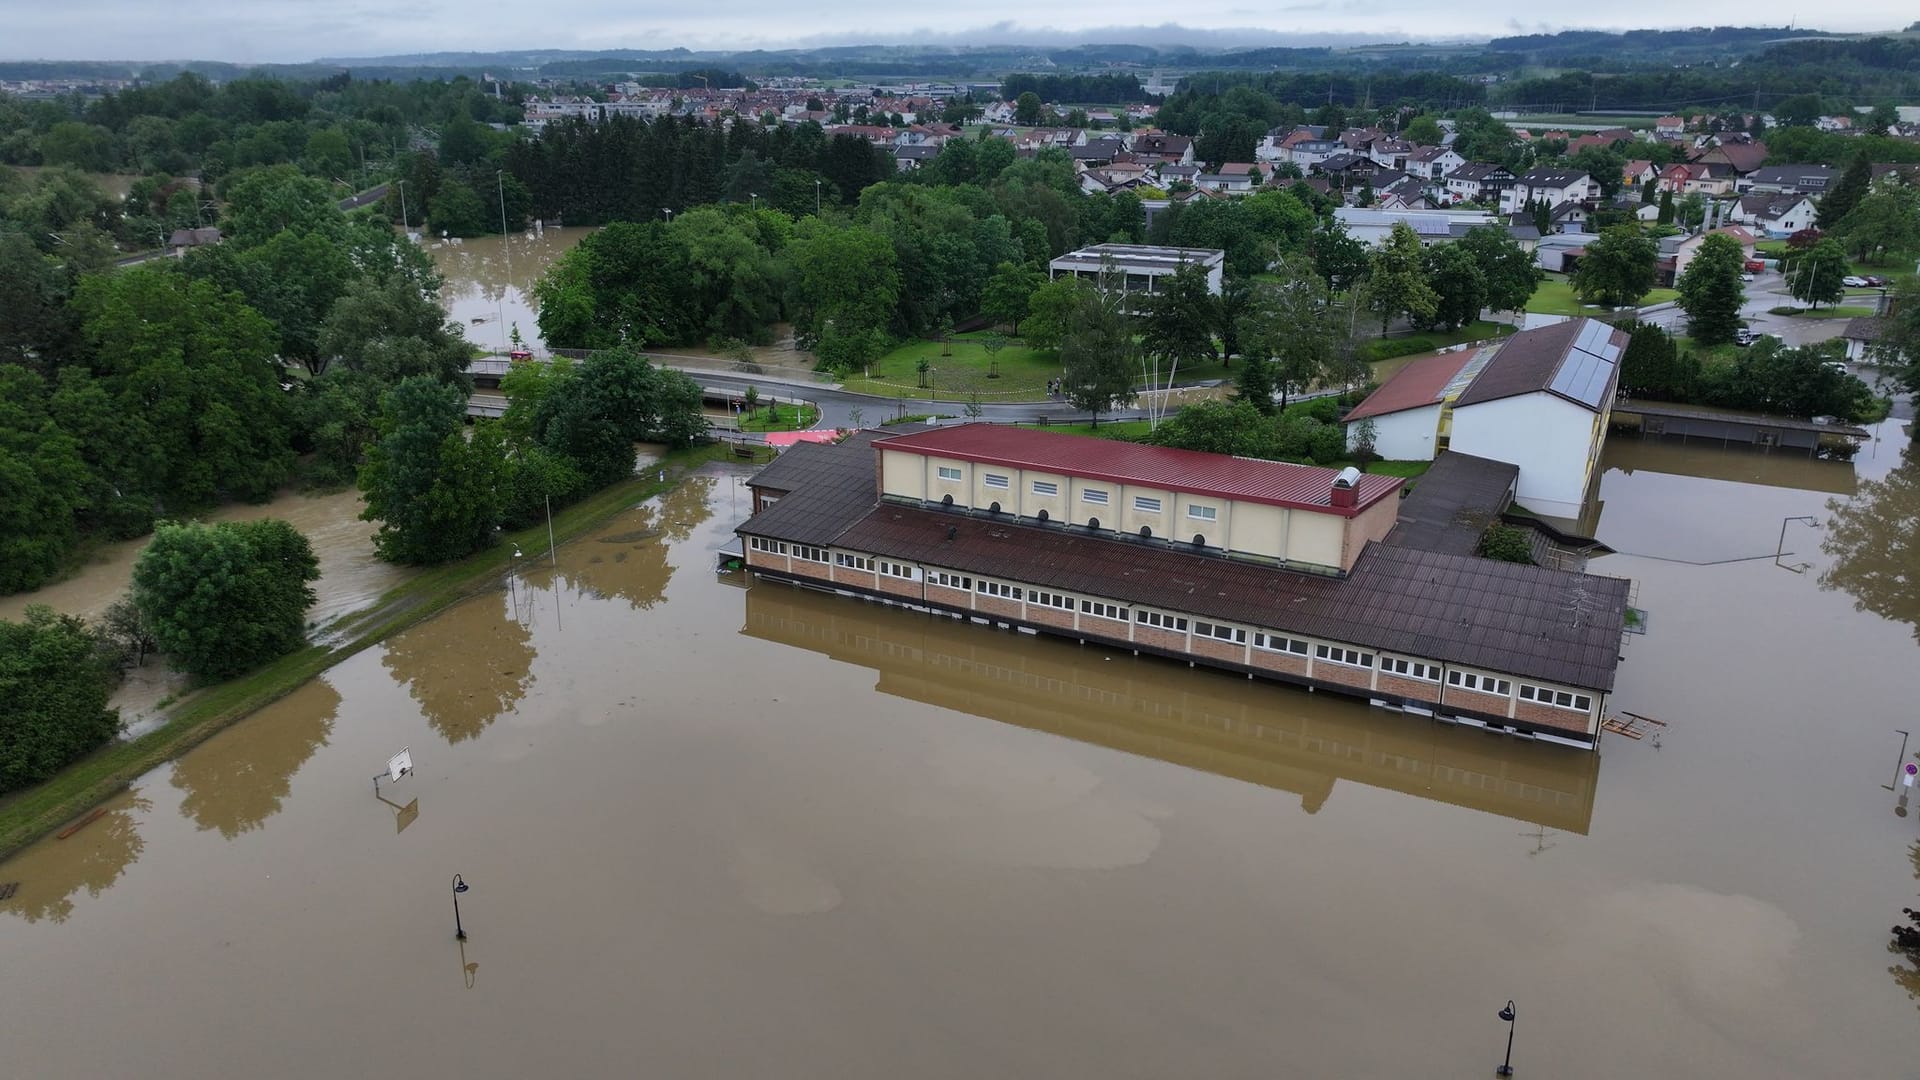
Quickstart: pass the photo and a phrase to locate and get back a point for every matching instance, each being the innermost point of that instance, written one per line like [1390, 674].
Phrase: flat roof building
[1142, 265]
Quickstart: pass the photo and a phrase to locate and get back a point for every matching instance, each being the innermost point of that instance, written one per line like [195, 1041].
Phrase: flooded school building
[1285, 572]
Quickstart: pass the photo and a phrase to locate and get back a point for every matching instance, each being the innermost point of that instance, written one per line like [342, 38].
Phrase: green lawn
[1555, 297]
[1843, 312]
[1023, 372]
[781, 417]
[1429, 340]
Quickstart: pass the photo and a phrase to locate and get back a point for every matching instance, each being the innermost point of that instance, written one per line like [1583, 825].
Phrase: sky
[287, 31]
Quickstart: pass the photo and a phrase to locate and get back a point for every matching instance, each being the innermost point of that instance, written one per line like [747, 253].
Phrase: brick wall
[808, 568]
[902, 587]
[865, 579]
[952, 597]
[1327, 671]
[998, 605]
[1291, 663]
[1552, 716]
[1475, 700]
[1047, 616]
[1215, 649]
[1401, 686]
[1170, 640]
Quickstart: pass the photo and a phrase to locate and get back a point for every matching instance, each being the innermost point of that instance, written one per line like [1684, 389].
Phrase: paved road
[1768, 290]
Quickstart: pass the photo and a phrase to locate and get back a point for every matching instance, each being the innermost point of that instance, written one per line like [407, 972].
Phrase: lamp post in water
[460, 932]
[1506, 1067]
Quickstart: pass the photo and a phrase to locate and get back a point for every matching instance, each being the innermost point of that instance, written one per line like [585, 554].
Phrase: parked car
[1755, 266]
[1853, 282]
[1874, 281]
[1744, 337]
[1746, 277]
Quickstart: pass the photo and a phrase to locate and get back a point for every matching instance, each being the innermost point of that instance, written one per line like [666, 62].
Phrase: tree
[1179, 318]
[1424, 130]
[614, 400]
[1006, 295]
[1506, 543]
[1653, 367]
[55, 682]
[456, 210]
[1236, 427]
[435, 496]
[1291, 338]
[1846, 192]
[224, 598]
[122, 626]
[1817, 273]
[1710, 291]
[1899, 346]
[1510, 273]
[1049, 310]
[1027, 109]
[1337, 257]
[1886, 220]
[44, 484]
[1458, 282]
[1874, 538]
[1618, 268]
[845, 279]
[1097, 352]
[391, 330]
[1396, 280]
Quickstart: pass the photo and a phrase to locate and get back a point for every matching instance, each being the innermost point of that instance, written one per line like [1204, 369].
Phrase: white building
[1372, 226]
[1553, 186]
[1539, 400]
[1142, 264]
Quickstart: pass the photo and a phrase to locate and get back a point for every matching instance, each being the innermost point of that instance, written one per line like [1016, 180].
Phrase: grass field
[27, 815]
[1023, 372]
[1555, 297]
[781, 417]
[1429, 340]
[1842, 312]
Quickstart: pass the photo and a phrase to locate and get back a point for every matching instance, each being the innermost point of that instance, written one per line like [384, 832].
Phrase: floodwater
[491, 277]
[733, 829]
[351, 577]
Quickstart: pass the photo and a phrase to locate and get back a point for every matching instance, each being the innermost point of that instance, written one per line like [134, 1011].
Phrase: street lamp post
[460, 886]
[402, 186]
[1506, 1067]
[668, 210]
[816, 198]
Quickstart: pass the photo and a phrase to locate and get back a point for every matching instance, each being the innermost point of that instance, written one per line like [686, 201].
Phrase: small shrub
[1507, 543]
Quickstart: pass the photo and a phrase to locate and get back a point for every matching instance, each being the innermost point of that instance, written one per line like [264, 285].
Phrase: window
[1202, 513]
[810, 553]
[771, 547]
[1094, 496]
[951, 581]
[1103, 610]
[1051, 599]
[994, 588]
[994, 480]
[1276, 643]
[1145, 505]
[1412, 669]
[1486, 684]
[1559, 699]
[948, 472]
[1164, 622]
[900, 570]
[1045, 487]
[1334, 654]
[1222, 633]
[852, 562]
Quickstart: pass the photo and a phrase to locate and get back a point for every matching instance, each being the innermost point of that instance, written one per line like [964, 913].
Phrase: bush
[54, 680]
[221, 599]
[1507, 543]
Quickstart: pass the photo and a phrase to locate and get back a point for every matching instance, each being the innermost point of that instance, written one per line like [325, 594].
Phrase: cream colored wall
[1317, 538]
[1080, 509]
[903, 475]
[1130, 520]
[1181, 527]
[1259, 529]
[1058, 507]
[1373, 523]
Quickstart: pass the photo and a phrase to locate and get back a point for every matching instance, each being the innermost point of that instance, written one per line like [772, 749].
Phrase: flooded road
[734, 831]
[488, 277]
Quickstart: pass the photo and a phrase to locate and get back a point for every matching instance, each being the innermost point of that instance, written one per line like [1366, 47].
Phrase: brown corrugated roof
[824, 488]
[1414, 386]
[1277, 483]
[1528, 362]
[1527, 621]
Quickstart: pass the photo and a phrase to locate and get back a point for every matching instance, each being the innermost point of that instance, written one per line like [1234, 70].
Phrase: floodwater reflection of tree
[93, 859]
[1907, 975]
[1875, 540]
[630, 559]
[465, 666]
[235, 783]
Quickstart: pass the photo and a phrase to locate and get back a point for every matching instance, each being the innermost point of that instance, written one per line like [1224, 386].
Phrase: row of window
[771, 547]
[1334, 654]
[1141, 503]
[1559, 699]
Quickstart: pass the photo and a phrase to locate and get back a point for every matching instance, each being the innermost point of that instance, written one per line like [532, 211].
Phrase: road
[1767, 291]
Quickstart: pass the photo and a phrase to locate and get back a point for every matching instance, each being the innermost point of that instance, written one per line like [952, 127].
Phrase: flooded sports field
[716, 828]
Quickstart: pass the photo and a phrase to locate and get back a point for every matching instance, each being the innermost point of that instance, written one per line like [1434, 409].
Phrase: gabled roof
[1557, 178]
[1577, 360]
[1478, 171]
[1276, 483]
[1415, 386]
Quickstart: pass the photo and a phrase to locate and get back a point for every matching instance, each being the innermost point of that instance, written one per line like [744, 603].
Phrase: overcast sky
[296, 30]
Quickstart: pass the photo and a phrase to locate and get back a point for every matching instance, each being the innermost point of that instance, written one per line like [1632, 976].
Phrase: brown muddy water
[351, 577]
[491, 277]
[724, 829]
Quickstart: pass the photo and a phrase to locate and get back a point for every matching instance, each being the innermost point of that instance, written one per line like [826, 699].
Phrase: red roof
[1276, 483]
[1417, 384]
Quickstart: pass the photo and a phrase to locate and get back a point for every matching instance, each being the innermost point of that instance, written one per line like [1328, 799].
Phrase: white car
[1852, 282]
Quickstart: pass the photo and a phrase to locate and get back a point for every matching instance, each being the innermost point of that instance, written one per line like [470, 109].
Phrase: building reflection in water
[1258, 732]
[630, 561]
[235, 781]
[93, 858]
[1874, 539]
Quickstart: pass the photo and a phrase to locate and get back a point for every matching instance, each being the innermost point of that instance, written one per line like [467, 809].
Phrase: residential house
[1143, 265]
[1433, 162]
[182, 239]
[1809, 180]
[1478, 182]
[1744, 153]
[1635, 174]
[1539, 399]
[1685, 248]
[1551, 185]
[1774, 215]
[1170, 149]
[1372, 225]
[1669, 125]
[1834, 124]
[908, 158]
[1861, 335]
[1602, 139]
[1390, 153]
[1406, 193]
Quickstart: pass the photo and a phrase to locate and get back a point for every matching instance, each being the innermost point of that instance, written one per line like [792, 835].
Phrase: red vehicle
[1755, 266]
[520, 354]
